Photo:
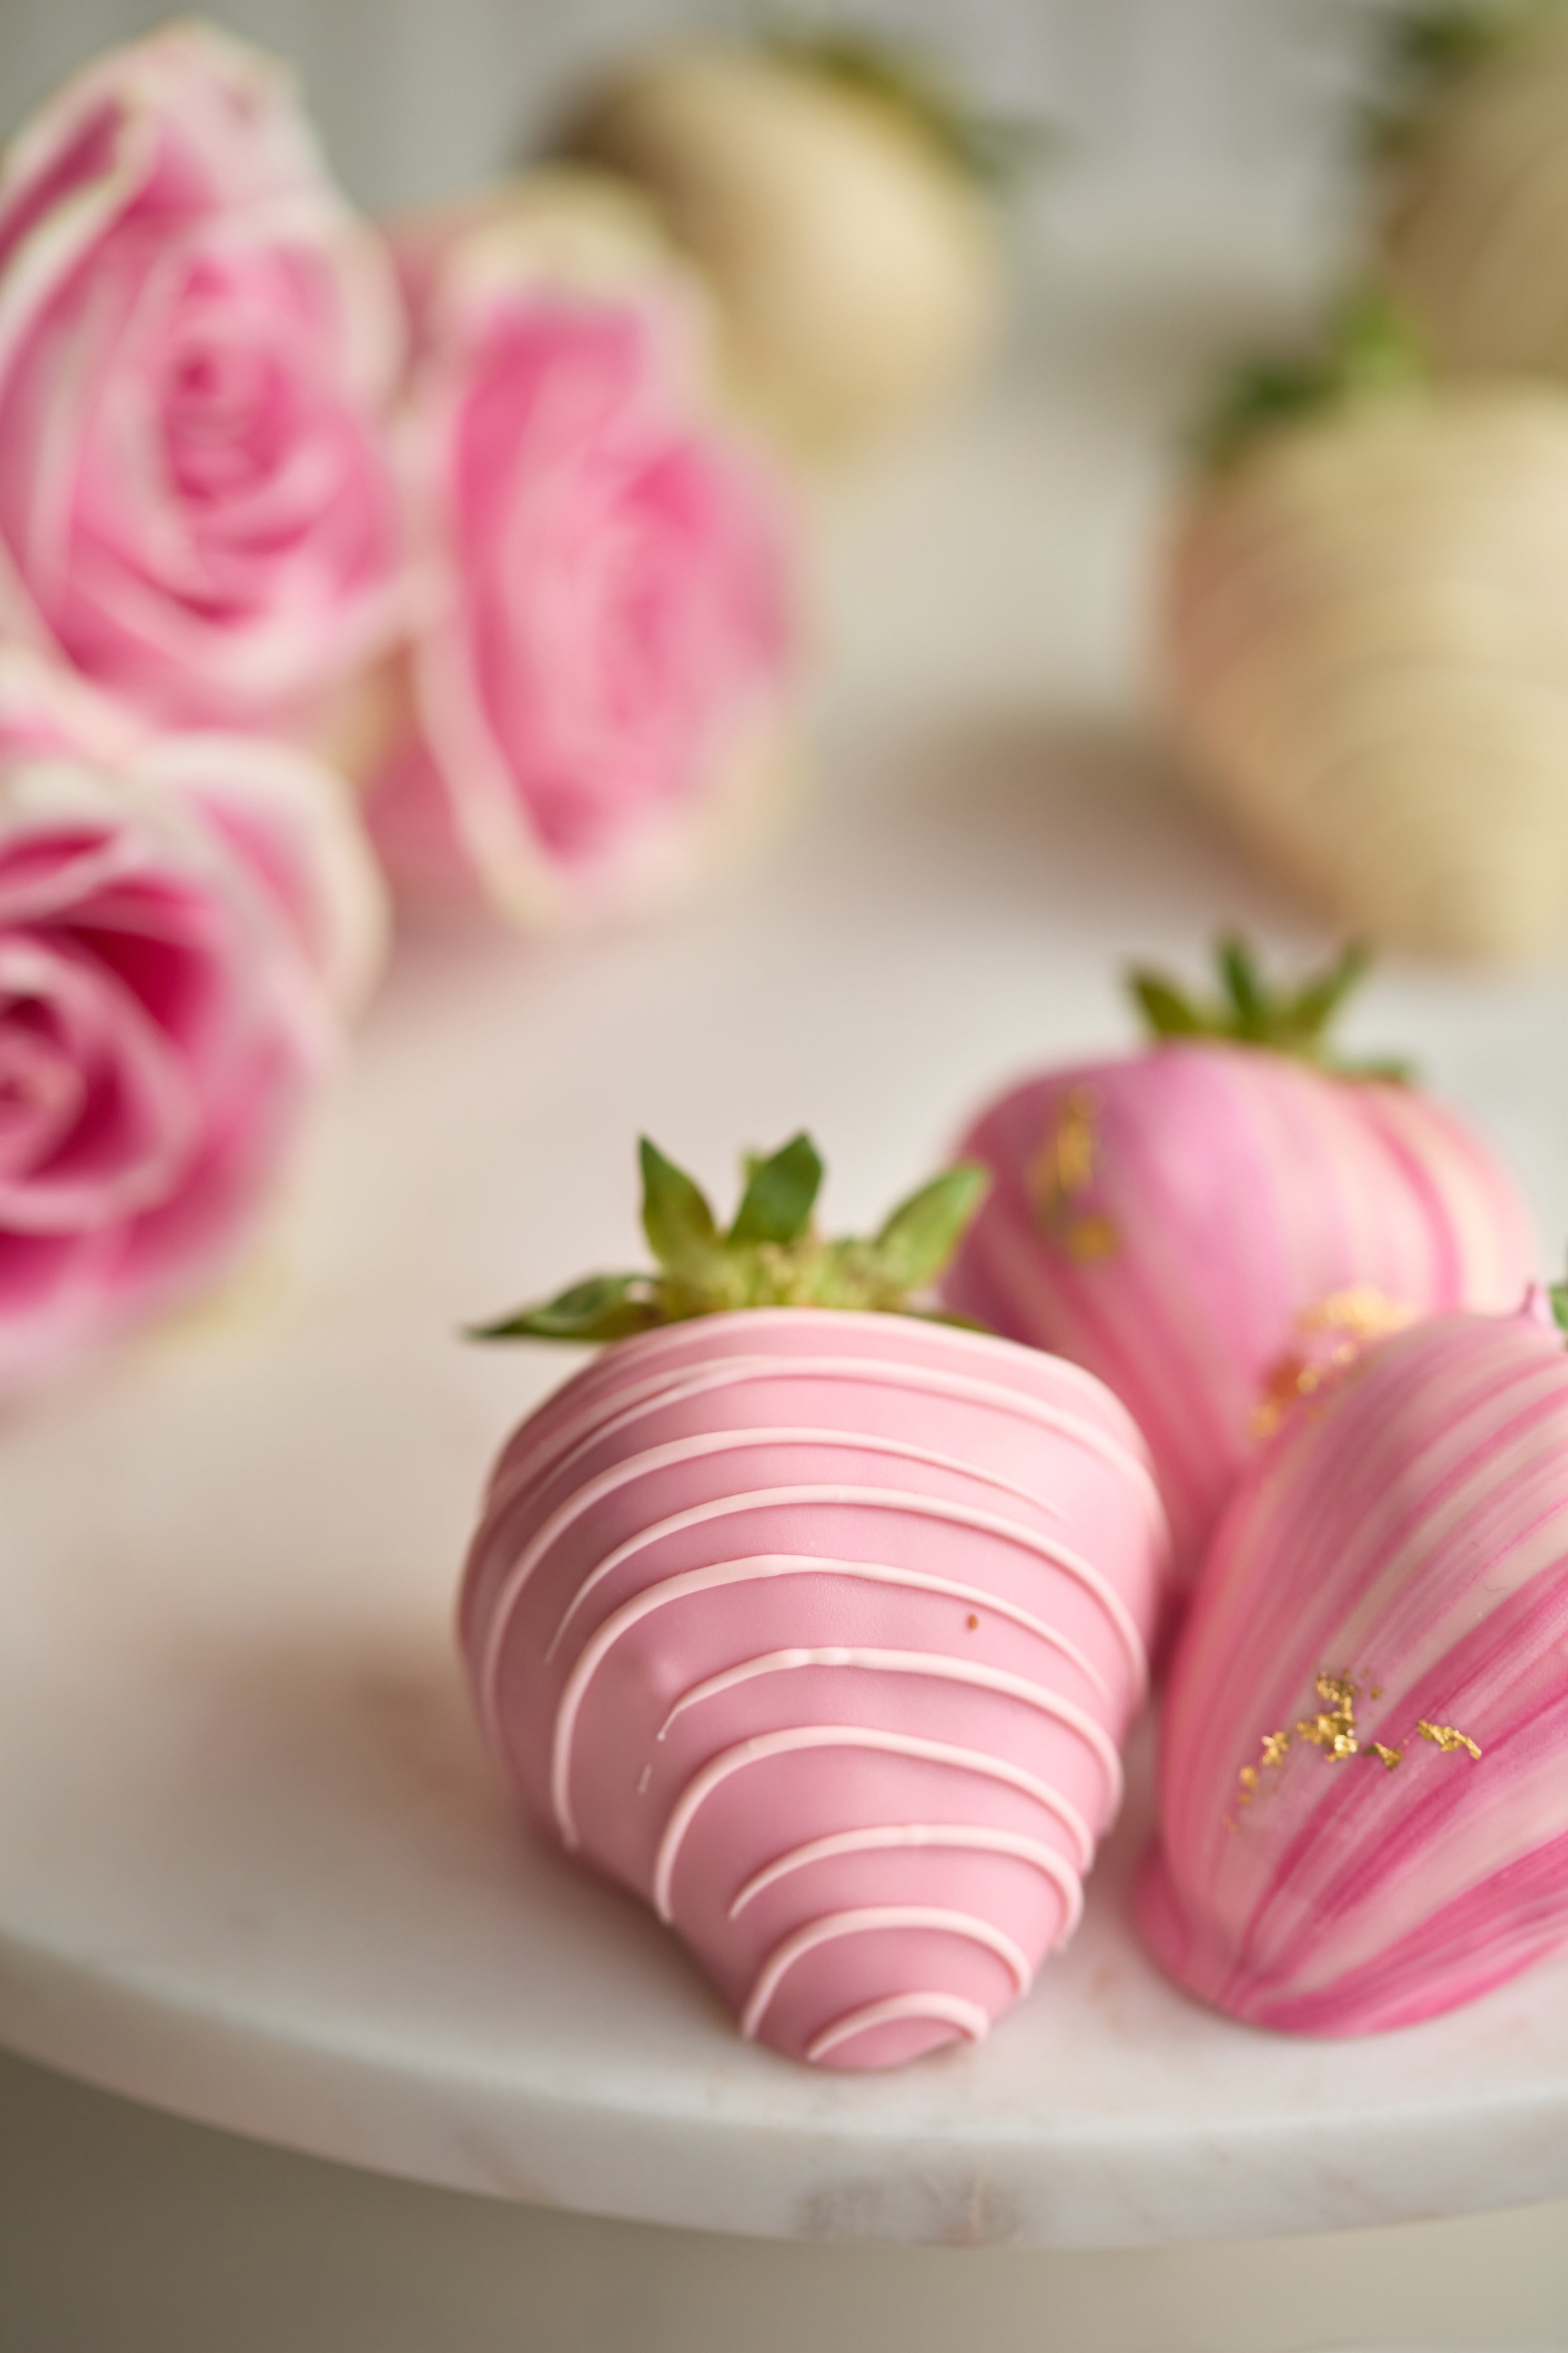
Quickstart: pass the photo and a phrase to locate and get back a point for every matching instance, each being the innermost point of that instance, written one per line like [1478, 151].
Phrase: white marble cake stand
[253, 1864]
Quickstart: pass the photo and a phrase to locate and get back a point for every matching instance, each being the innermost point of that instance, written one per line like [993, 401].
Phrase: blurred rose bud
[201, 340]
[597, 681]
[182, 922]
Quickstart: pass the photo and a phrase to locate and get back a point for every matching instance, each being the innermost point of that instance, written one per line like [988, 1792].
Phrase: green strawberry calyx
[1368, 349]
[770, 1255]
[995, 150]
[1428, 48]
[1296, 1020]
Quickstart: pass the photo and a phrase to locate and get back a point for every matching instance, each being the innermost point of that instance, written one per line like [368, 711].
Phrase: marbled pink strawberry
[1406, 1541]
[820, 1630]
[1172, 1219]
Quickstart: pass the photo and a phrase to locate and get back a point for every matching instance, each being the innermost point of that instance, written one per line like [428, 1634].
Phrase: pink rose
[198, 345]
[598, 687]
[183, 923]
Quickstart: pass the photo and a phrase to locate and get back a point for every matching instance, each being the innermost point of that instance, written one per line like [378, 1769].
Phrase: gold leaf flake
[1361, 1314]
[1066, 1163]
[1366, 1313]
[1334, 1732]
[1062, 1171]
[1447, 1737]
[1087, 1239]
[1289, 1380]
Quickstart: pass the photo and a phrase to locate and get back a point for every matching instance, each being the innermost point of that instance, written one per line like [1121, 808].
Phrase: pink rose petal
[198, 345]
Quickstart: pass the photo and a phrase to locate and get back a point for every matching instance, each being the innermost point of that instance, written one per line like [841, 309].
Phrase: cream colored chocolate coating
[856, 270]
[1473, 214]
[1365, 654]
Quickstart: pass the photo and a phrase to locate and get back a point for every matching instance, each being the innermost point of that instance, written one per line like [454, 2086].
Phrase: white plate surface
[253, 1864]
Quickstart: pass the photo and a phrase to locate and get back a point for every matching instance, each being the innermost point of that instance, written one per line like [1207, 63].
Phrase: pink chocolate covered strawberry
[1364, 1805]
[816, 1622]
[1194, 1221]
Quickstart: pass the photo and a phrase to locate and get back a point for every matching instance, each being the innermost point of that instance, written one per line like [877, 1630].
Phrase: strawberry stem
[771, 1255]
[1250, 1011]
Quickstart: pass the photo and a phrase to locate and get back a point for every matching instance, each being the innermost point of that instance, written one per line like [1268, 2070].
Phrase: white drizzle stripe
[951, 2008]
[728, 1442]
[504, 1490]
[839, 1655]
[756, 1567]
[634, 1399]
[863, 1499]
[630, 1400]
[934, 1663]
[966, 1837]
[765, 1744]
[866, 1922]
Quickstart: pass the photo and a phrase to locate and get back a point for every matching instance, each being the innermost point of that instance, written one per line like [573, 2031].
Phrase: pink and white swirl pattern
[598, 683]
[821, 1631]
[1233, 1189]
[184, 922]
[1412, 1534]
[199, 348]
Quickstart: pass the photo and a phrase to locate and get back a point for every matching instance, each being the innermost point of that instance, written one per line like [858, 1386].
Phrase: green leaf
[1385, 1070]
[781, 1193]
[1368, 347]
[1558, 1294]
[1243, 986]
[1000, 151]
[993, 150]
[1250, 1013]
[772, 1256]
[1373, 345]
[922, 1233]
[1445, 43]
[948, 1316]
[1316, 1003]
[1427, 51]
[1258, 398]
[676, 1217]
[1168, 1012]
[604, 1307]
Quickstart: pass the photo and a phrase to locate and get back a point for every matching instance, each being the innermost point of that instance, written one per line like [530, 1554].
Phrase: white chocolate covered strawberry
[1363, 1787]
[1364, 626]
[1206, 1221]
[830, 197]
[1473, 188]
[818, 1623]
